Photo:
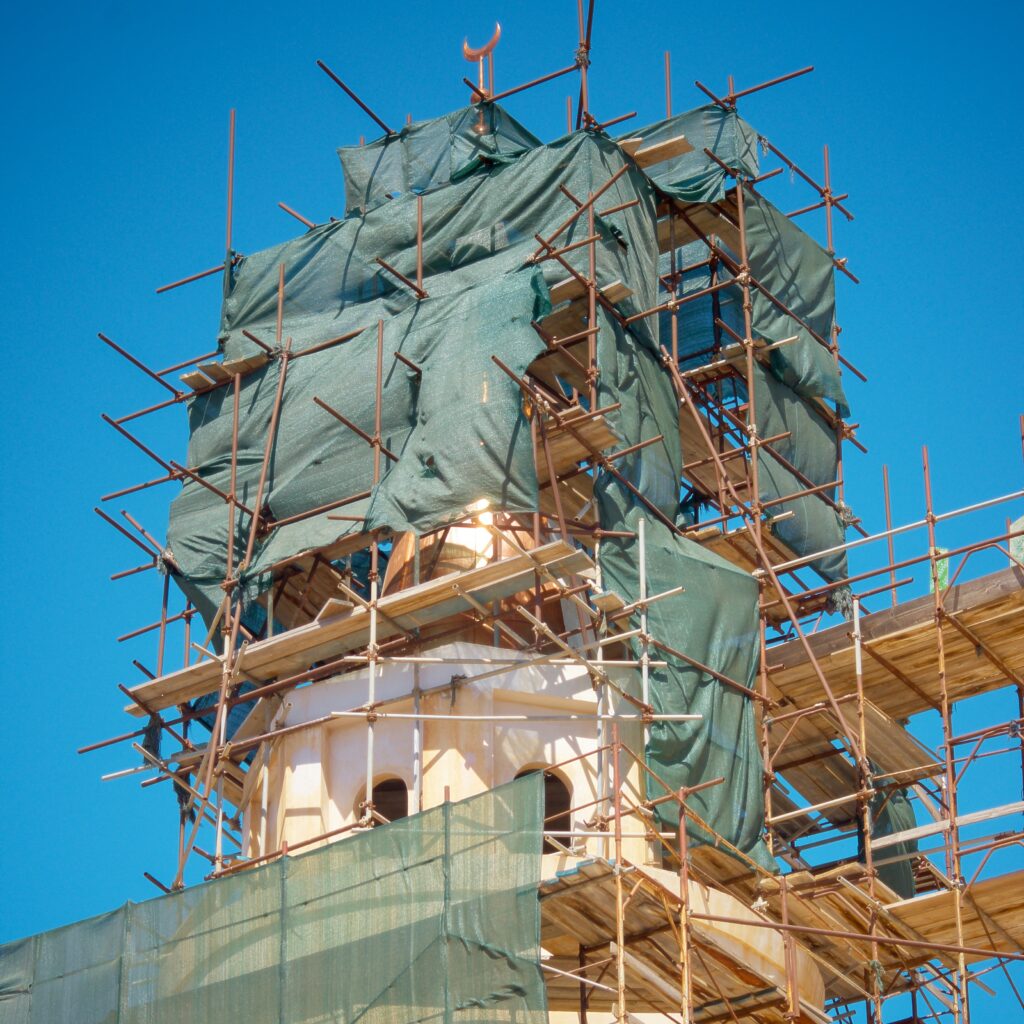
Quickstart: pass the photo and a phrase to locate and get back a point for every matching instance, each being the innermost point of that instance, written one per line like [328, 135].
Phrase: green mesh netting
[691, 176]
[892, 812]
[808, 457]
[458, 428]
[432, 918]
[428, 154]
[798, 272]
[475, 229]
[715, 622]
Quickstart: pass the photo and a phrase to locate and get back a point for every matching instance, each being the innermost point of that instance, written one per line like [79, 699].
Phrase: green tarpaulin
[807, 458]
[457, 425]
[798, 273]
[693, 177]
[431, 918]
[429, 154]
[714, 621]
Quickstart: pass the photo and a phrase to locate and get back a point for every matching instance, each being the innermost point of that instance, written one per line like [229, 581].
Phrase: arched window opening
[557, 802]
[391, 799]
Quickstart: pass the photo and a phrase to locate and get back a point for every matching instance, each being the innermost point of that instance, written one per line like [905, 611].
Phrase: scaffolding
[834, 683]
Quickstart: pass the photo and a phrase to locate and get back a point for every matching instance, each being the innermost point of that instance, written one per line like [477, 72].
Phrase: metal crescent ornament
[478, 54]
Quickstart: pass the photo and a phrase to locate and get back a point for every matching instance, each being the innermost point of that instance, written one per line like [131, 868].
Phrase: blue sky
[114, 183]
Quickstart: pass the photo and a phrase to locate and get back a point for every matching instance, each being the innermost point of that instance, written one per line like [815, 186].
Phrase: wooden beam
[933, 827]
[296, 649]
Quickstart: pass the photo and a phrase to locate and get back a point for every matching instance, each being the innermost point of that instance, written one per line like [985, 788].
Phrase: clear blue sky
[115, 123]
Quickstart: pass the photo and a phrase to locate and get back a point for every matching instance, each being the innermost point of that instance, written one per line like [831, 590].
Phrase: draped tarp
[715, 622]
[434, 917]
[475, 230]
[458, 428]
[892, 812]
[694, 177]
[427, 154]
[808, 457]
[799, 372]
[798, 273]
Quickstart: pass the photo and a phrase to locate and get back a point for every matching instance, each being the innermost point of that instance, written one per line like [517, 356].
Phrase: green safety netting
[693, 177]
[782, 257]
[432, 918]
[476, 229]
[714, 622]
[892, 812]
[427, 154]
[458, 426]
[697, 339]
[798, 272]
[807, 458]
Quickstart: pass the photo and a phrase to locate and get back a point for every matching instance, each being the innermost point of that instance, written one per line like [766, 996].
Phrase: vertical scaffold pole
[604, 708]
[645, 647]
[592, 371]
[620, 925]
[231, 194]
[668, 84]
[962, 1013]
[162, 640]
[372, 652]
[685, 979]
[864, 777]
[888, 529]
[419, 243]
[583, 59]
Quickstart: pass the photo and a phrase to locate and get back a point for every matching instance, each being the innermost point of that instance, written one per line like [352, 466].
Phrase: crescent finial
[472, 54]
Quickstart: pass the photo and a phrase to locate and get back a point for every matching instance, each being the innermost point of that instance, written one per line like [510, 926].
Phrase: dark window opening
[391, 799]
[557, 802]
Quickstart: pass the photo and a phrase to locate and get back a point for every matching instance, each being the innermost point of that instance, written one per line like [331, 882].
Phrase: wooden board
[737, 546]
[734, 962]
[577, 498]
[993, 915]
[731, 360]
[656, 152]
[819, 772]
[838, 899]
[555, 364]
[932, 828]
[608, 601]
[293, 651]
[897, 754]
[246, 365]
[711, 219]
[570, 443]
[696, 450]
[334, 606]
[215, 371]
[570, 296]
[569, 362]
[806, 753]
[572, 288]
[195, 380]
[904, 637]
